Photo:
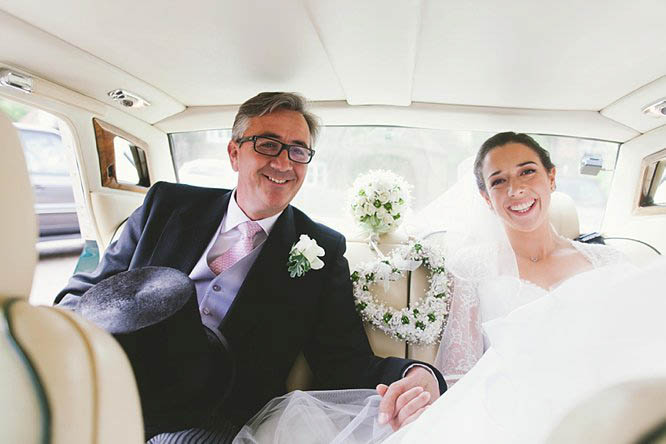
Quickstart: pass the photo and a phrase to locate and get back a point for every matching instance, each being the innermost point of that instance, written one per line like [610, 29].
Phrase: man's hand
[404, 400]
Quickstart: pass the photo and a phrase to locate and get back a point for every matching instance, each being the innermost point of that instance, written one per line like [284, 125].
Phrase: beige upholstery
[398, 296]
[18, 225]
[638, 253]
[358, 252]
[111, 211]
[87, 381]
[563, 215]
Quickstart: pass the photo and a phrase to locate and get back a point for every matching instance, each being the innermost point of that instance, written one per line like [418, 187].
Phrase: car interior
[147, 92]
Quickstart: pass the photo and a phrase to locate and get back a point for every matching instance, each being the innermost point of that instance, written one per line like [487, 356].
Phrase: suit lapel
[187, 234]
[268, 272]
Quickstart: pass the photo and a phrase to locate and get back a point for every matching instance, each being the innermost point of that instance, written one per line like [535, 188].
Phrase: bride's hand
[404, 400]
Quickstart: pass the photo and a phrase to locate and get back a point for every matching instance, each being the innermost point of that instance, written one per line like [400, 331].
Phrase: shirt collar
[235, 217]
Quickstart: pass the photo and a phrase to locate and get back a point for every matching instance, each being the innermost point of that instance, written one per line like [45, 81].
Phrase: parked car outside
[47, 165]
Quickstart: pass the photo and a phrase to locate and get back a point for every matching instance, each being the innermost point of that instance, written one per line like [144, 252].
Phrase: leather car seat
[62, 380]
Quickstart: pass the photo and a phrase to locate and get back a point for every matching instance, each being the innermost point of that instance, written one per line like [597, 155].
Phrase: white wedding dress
[480, 297]
[547, 354]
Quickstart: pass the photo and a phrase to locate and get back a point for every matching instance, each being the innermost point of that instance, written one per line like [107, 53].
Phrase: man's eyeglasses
[272, 147]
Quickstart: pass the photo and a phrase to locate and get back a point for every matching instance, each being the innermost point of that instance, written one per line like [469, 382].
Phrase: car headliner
[593, 57]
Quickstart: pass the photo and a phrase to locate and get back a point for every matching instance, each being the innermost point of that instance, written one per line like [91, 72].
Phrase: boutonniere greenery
[304, 256]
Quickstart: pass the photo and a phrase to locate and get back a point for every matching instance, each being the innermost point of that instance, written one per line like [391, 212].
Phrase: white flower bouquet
[378, 201]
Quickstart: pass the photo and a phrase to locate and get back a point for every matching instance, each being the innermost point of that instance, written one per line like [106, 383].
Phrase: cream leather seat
[563, 215]
[62, 380]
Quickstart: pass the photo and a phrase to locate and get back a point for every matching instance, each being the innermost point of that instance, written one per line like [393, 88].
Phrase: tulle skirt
[341, 416]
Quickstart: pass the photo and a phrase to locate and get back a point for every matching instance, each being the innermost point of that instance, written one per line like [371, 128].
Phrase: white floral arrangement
[378, 201]
[421, 323]
[304, 256]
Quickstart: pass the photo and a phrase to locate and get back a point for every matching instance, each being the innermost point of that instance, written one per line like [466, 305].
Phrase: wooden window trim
[104, 135]
[646, 181]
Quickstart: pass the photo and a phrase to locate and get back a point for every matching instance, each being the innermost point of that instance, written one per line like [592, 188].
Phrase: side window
[60, 210]
[653, 186]
[122, 158]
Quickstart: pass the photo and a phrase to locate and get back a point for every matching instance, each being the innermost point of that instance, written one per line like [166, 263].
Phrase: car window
[44, 152]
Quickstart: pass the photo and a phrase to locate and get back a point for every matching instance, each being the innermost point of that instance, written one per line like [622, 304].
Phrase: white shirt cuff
[422, 366]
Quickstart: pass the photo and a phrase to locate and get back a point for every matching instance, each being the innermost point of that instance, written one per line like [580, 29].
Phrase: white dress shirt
[215, 294]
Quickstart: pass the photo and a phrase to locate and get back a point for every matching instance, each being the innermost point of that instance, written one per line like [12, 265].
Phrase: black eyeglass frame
[283, 146]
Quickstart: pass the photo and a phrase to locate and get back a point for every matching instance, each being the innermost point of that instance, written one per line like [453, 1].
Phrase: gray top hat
[183, 370]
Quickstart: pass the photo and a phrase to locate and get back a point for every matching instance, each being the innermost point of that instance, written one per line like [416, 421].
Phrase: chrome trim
[16, 80]
[128, 99]
[656, 109]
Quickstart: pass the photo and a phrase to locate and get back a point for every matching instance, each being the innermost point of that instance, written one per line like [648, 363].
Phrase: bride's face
[518, 186]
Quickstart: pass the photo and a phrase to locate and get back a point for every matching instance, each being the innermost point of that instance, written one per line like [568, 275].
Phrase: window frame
[646, 186]
[105, 134]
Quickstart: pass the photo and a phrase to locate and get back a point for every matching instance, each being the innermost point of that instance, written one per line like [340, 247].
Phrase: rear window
[428, 159]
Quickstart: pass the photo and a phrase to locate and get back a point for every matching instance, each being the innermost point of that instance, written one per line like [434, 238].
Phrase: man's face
[266, 184]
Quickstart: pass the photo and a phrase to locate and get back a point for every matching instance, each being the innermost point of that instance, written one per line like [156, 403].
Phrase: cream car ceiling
[598, 56]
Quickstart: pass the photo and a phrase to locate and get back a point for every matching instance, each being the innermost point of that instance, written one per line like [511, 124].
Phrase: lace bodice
[476, 301]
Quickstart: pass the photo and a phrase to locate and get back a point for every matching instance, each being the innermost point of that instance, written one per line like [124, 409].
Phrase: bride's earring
[553, 187]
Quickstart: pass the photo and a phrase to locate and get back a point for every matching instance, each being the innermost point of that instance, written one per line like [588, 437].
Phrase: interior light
[657, 109]
[15, 80]
[128, 99]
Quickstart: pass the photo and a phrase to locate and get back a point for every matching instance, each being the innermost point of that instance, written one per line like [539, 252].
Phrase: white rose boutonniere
[304, 255]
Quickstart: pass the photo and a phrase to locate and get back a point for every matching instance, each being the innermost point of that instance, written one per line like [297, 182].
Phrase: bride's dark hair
[501, 139]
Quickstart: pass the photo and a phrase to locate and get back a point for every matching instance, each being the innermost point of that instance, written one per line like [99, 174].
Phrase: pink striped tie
[238, 250]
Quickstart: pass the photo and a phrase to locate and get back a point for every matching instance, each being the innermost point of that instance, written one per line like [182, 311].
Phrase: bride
[558, 320]
[514, 256]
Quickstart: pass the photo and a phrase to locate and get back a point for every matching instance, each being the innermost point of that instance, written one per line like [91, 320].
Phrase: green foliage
[15, 111]
[298, 265]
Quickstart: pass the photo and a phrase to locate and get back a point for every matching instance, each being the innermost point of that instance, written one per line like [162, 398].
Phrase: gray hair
[267, 102]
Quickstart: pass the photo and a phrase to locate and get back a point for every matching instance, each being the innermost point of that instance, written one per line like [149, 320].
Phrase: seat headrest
[18, 227]
[563, 215]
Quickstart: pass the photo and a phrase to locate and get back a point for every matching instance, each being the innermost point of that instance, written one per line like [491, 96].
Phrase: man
[235, 245]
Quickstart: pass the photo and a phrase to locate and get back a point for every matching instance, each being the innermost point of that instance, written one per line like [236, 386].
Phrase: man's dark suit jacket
[273, 317]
